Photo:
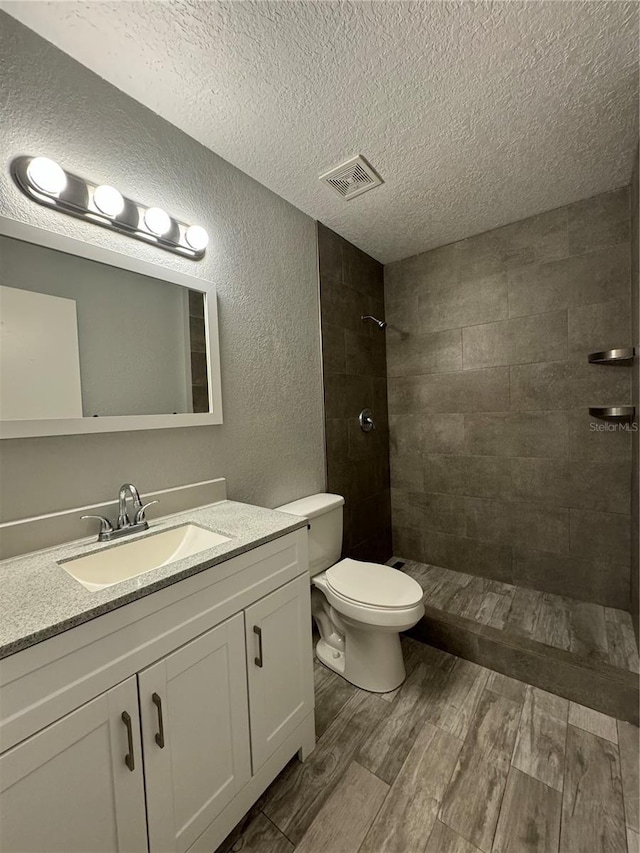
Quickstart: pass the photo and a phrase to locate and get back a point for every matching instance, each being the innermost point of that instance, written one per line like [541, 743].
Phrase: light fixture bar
[45, 182]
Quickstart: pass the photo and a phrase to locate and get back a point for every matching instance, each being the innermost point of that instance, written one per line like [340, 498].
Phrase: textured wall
[635, 324]
[351, 284]
[262, 259]
[495, 468]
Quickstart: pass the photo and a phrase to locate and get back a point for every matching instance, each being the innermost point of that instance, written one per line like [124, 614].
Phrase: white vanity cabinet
[68, 789]
[170, 758]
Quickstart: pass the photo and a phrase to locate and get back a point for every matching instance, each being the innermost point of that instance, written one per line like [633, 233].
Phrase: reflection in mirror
[85, 339]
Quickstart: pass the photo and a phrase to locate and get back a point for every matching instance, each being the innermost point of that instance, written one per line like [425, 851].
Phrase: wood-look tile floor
[584, 629]
[459, 759]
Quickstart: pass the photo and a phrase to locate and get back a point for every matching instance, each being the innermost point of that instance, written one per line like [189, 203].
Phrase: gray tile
[197, 338]
[621, 640]
[535, 240]
[256, 835]
[591, 438]
[588, 631]
[576, 483]
[427, 433]
[477, 476]
[330, 253]
[524, 612]
[428, 511]
[337, 439]
[331, 695]
[333, 349]
[446, 304]
[362, 272]
[601, 536]
[467, 391]
[577, 577]
[409, 812]
[472, 803]
[369, 445]
[438, 352]
[364, 356]
[198, 368]
[529, 818]
[604, 325]
[401, 312]
[628, 736]
[592, 808]
[407, 542]
[599, 221]
[407, 471]
[345, 396]
[595, 277]
[592, 721]
[516, 434]
[345, 818]
[506, 686]
[342, 306]
[541, 337]
[554, 622]
[445, 840]
[544, 528]
[487, 559]
[542, 733]
[567, 385]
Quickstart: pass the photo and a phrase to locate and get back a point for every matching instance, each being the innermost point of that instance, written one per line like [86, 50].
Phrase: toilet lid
[373, 584]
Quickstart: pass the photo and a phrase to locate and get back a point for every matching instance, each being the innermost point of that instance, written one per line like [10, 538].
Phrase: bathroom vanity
[151, 714]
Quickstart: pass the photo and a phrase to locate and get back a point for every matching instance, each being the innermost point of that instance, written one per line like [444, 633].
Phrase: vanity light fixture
[46, 175]
[108, 200]
[44, 181]
[157, 221]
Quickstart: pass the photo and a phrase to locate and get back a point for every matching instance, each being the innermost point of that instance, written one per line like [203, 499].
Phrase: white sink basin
[135, 557]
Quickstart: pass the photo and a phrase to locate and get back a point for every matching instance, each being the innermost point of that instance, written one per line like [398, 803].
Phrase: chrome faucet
[124, 525]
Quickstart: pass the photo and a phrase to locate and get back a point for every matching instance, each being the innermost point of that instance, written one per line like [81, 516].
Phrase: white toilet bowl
[359, 608]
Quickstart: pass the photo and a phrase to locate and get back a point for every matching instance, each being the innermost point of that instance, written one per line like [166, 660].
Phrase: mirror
[89, 345]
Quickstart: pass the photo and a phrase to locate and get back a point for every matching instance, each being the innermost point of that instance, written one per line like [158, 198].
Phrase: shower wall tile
[466, 391]
[516, 434]
[438, 352]
[568, 385]
[517, 482]
[599, 221]
[438, 433]
[541, 337]
[481, 476]
[605, 325]
[354, 367]
[597, 276]
[580, 484]
[600, 536]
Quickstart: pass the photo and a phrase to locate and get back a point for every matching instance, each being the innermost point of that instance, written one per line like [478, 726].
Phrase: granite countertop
[39, 599]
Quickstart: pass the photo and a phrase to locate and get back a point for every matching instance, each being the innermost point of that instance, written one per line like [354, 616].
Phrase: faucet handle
[139, 518]
[105, 524]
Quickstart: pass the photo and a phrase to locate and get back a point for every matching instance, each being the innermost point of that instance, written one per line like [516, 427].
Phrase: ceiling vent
[352, 178]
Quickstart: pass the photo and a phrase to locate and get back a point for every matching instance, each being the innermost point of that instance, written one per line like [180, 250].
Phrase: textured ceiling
[475, 114]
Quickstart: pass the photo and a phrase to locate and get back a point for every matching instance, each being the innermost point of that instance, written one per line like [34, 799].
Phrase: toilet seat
[373, 585]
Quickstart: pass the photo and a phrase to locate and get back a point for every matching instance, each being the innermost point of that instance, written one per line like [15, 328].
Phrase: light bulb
[108, 200]
[46, 175]
[157, 221]
[196, 237]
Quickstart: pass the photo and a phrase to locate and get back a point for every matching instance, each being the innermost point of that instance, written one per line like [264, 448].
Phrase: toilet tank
[325, 535]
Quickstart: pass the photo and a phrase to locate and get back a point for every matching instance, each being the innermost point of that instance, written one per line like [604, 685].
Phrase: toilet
[359, 608]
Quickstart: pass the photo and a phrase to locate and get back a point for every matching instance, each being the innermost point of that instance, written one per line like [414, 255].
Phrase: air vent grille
[352, 178]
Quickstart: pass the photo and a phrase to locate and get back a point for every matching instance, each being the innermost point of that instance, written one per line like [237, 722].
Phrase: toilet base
[371, 660]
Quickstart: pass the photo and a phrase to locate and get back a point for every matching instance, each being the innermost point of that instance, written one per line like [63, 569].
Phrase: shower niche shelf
[612, 356]
[612, 413]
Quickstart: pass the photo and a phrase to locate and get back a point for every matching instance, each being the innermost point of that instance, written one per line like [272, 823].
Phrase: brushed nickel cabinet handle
[128, 759]
[157, 701]
[258, 632]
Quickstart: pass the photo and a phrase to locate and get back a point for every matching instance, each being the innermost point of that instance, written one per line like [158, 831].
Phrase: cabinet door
[280, 666]
[77, 786]
[195, 735]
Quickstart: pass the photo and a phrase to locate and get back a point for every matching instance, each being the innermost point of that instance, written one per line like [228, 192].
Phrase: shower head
[381, 324]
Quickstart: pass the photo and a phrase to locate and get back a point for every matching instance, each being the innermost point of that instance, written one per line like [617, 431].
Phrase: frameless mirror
[94, 341]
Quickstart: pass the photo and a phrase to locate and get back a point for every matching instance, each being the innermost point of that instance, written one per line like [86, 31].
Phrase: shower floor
[584, 651]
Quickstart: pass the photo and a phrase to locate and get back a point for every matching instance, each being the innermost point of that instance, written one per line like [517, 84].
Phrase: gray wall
[351, 284]
[635, 323]
[495, 467]
[262, 258]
